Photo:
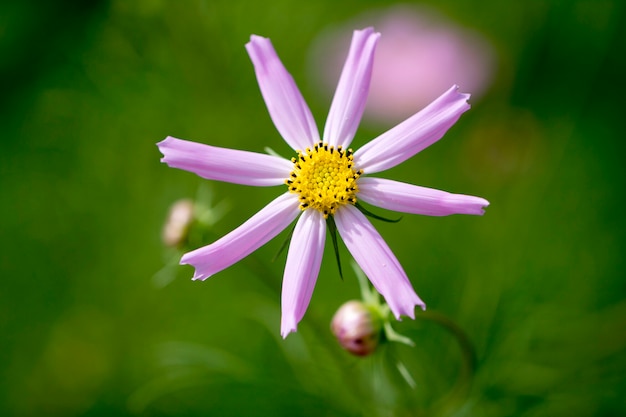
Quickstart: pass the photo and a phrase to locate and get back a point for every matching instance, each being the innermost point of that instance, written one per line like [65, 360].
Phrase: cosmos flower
[325, 181]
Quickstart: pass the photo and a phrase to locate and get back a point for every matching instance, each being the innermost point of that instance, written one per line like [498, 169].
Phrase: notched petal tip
[411, 312]
[256, 40]
[197, 276]
[369, 30]
[465, 96]
[254, 37]
[165, 143]
[287, 328]
[484, 204]
[467, 204]
[480, 204]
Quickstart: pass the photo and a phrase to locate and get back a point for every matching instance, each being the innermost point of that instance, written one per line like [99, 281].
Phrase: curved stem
[462, 385]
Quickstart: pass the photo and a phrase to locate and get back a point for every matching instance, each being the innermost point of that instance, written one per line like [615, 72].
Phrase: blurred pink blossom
[420, 55]
[176, 226]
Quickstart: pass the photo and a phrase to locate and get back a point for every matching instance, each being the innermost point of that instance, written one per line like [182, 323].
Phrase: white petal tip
[410, 313]
[197, 276]
[165, 141]
[463, 204]
[285, 332]
[367, 31]
[257, 38]
[482, 205]
[288, 325]
[465, 96]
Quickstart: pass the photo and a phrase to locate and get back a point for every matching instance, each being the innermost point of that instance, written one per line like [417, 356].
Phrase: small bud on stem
[177, 224]
[358, 328]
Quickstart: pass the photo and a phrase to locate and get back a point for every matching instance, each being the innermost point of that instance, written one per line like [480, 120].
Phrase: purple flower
[324, 180]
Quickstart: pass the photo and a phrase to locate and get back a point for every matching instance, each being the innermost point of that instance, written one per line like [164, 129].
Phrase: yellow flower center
[325, 178]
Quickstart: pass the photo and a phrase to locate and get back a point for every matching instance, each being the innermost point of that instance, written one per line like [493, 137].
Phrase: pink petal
[221, 164]
[414, 134]
[245, 239]
[377, 261]
[287, 108]
[408, 198]
[351, 95]
[303, 266]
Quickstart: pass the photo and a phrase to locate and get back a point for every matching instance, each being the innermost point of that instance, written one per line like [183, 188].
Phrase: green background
[537, 284]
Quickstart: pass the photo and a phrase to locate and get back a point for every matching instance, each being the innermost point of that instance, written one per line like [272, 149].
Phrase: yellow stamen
[325, 178]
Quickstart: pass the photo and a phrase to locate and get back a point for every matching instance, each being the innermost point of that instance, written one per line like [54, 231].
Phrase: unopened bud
[358, 328]
[177, 224]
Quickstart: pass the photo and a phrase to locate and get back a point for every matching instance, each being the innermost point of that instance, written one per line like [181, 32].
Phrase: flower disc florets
[325, 178]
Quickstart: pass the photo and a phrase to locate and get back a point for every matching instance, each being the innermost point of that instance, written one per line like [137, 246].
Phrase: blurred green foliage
[537, 284]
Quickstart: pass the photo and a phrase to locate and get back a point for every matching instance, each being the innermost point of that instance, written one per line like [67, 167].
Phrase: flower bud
[357, 327]
[177, 224]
